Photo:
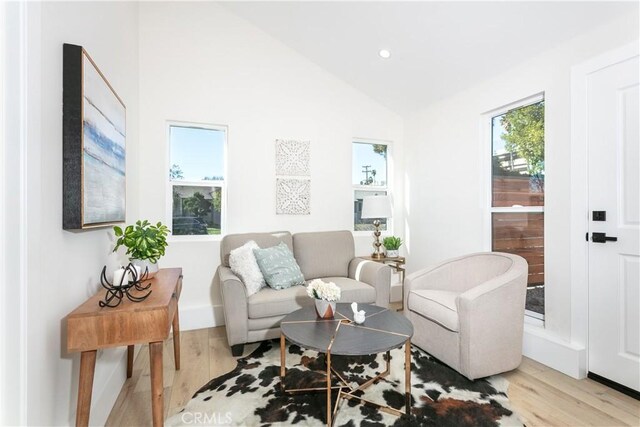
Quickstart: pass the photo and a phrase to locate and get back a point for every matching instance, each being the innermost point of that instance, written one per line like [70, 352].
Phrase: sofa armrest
[375, 274]
[234, 302]
[491, 323]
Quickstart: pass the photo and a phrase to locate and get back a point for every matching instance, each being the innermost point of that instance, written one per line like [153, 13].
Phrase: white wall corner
[545, 347]
[105, 397]
[205, 316]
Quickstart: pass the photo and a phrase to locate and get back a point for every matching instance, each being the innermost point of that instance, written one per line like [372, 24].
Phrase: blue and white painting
[104, 137]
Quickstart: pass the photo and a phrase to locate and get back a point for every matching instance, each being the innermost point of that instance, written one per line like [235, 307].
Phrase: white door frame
[14, 44]
[580, 191]
[3, 286]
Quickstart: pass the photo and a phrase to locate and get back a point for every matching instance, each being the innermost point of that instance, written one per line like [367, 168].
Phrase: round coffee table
[382, 331]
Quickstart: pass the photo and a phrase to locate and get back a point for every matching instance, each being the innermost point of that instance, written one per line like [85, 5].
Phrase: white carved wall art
[293, 196]
[293, 158]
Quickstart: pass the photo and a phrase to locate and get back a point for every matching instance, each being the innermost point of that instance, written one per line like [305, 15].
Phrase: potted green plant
[145, 243]
[392, 244]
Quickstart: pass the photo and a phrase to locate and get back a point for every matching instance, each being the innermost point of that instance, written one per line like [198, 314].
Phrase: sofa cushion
[270, 302]
[323, 254]
[353, 290]
[437, 306]
[279, 268]
[244, 265]
[264, 240]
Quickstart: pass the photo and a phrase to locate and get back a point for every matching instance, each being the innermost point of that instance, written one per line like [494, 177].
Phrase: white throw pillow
[244, 265]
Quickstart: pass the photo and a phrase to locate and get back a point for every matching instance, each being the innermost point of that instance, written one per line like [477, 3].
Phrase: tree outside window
[196, 177]
[517, 202]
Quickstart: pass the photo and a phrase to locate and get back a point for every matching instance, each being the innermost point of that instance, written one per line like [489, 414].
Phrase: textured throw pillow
[243, 264]
[278, 266]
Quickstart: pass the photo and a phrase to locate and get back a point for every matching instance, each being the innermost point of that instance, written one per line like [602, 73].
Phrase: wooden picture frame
[94, 145]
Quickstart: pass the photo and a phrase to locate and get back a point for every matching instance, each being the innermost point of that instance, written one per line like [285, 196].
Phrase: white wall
[62, 267]
[448, 182]
[12, 365]
[201, 63]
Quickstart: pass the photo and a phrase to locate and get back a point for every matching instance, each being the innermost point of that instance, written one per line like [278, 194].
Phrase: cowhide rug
[250, 395]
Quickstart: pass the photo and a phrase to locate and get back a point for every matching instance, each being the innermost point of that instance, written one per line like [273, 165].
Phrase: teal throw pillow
[279, 268]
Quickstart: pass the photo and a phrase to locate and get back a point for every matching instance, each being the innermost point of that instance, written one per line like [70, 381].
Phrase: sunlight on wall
[407, 211]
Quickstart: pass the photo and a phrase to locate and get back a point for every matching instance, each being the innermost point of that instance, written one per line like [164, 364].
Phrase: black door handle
[602, 238]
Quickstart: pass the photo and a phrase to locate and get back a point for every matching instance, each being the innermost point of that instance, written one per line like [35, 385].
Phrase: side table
[397, 263]
[90, 327]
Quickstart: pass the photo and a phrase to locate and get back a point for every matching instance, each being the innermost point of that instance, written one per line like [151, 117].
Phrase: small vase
[325, 309]
[392, 253]
[145, 264]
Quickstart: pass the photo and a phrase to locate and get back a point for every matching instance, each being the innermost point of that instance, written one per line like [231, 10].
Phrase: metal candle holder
[116, 292]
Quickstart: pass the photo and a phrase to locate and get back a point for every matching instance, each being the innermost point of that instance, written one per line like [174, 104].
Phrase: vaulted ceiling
[437, 48]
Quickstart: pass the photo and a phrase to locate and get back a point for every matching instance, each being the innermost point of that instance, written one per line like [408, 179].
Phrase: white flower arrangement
[322, 290]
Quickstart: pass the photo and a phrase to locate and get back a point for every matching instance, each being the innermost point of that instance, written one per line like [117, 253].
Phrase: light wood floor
[540, 395]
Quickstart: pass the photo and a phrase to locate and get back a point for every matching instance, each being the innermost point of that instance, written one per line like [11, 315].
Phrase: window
[517, 191]
[197, 178]
[369, 178]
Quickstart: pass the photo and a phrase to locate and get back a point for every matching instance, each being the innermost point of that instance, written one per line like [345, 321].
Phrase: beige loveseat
[326, 255]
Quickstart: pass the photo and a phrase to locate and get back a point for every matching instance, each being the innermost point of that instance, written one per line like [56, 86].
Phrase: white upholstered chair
[468, 312]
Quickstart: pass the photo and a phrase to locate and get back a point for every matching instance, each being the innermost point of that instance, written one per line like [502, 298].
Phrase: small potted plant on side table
[392, 245]
[145, 243]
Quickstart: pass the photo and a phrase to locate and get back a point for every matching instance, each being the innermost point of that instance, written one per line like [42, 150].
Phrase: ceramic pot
[145, 264]
[325, 309]
[392, 253]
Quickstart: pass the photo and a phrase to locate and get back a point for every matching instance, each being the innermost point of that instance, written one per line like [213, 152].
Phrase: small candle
[120, 278]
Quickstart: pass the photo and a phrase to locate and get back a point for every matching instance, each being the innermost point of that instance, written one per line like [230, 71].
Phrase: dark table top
[382, 330]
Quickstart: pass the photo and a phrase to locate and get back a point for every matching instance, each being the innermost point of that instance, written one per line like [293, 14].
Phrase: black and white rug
[250, 395]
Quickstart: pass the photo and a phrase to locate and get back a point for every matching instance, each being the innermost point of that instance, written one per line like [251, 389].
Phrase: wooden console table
[397, 263]
[90, 328]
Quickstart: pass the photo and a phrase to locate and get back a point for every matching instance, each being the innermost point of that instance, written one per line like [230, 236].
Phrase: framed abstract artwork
[94, 145]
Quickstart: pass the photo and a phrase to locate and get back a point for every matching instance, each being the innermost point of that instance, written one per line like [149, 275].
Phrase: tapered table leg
[176, 339]
[407, 376]
[130, 350]
[329, 408]
[283, 361]
[85, 387]
[157, 389]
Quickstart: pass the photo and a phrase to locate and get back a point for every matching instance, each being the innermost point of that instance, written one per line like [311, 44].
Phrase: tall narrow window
[517, 191]
[369, 178]
[197, 178]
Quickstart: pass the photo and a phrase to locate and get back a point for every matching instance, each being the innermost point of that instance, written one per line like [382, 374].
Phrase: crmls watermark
[207, 419]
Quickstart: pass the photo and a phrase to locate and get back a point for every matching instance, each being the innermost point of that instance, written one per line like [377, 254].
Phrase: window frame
[388, 188]
[170, 184]
[534, 318]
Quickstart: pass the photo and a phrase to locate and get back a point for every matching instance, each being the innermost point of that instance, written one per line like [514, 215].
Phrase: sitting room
[320, 213]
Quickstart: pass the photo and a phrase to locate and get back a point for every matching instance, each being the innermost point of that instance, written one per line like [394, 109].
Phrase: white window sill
[196, 238]
[533, 319]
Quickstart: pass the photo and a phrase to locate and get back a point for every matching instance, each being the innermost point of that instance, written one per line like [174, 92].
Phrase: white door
[614, 188]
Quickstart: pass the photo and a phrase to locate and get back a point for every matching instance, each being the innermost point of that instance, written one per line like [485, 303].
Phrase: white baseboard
[546, 348]
[205, 316]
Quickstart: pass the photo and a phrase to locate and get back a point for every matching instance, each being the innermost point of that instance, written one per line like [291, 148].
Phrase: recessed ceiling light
[384, 53]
